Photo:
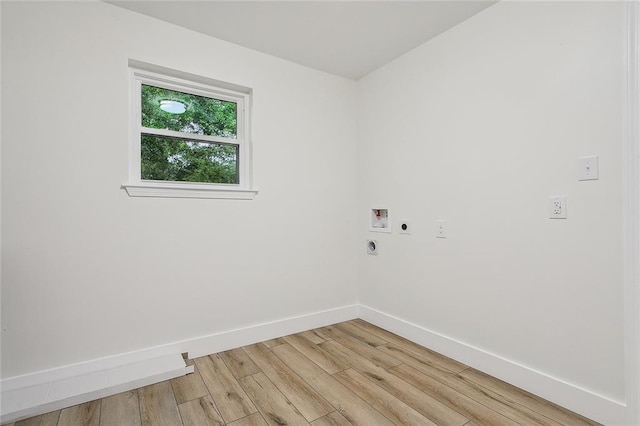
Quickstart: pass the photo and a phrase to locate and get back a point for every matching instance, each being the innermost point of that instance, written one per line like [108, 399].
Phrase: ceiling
[346, 38]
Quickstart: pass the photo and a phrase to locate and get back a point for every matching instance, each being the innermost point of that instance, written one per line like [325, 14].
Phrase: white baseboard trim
[258, 333]
[21, 403]
[48, 390]
[44, 391]
[575, 398]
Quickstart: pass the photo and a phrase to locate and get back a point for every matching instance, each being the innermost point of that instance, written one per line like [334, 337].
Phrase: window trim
[153, 75]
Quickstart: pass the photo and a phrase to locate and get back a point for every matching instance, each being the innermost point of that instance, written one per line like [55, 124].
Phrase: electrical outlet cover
[558, 207]
[441, 229]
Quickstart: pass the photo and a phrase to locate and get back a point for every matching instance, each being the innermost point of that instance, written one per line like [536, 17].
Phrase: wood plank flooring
[351, 373]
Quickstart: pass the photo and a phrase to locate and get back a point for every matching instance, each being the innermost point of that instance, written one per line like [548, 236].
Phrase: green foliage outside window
[181, 159]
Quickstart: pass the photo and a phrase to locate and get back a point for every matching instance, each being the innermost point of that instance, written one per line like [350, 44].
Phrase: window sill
[179, 190]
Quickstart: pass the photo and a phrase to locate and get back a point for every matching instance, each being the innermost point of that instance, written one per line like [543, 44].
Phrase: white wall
[479, 127]
[89, 272]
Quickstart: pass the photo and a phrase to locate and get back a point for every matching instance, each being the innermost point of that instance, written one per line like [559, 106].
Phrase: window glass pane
[187, 113]
[182, 160]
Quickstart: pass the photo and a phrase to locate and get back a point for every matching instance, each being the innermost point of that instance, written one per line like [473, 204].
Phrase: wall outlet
[404, 227]
[558, 207]
[588, 168]
[441, 229]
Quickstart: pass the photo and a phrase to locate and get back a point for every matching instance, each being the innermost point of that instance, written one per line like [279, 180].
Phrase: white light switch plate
[588, 168]
[441, 229]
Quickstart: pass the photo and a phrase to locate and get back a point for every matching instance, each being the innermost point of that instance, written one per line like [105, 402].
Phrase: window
[190, 136]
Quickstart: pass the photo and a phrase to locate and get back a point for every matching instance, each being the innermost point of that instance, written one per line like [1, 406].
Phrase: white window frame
[153, 75]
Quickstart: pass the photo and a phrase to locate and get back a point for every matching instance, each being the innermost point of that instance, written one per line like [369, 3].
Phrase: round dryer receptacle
[404, 227]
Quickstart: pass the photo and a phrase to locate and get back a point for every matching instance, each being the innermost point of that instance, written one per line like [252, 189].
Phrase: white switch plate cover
[441, 229]
[558, 207]
[588, 168]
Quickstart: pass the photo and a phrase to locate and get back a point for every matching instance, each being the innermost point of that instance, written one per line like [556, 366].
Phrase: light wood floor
[351, 373]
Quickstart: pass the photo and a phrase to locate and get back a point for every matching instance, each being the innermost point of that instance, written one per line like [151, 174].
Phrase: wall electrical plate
[588, 168]
[441, 229]
[404, 227]
[558, 207]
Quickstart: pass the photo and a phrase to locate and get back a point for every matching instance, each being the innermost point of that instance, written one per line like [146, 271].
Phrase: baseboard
[575, 398]
[23, 402]
[74, 384]
[48, 390]
[258, 333]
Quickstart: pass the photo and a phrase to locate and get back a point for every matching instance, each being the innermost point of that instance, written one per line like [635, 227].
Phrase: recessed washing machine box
[379, 218]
